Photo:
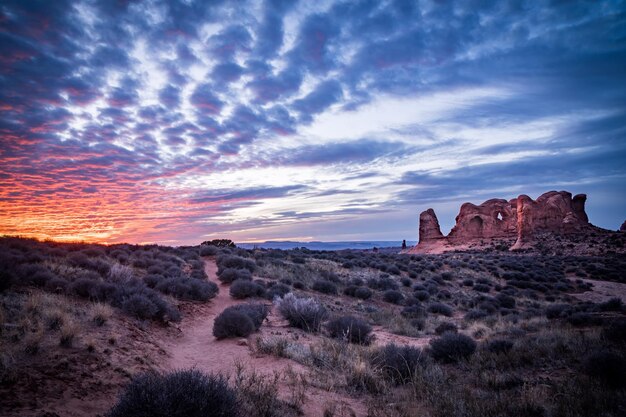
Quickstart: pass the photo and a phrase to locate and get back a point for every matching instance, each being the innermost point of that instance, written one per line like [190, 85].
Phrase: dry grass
[101, 313]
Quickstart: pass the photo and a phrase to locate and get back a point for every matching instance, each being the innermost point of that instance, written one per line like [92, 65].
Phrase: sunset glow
[181, 121]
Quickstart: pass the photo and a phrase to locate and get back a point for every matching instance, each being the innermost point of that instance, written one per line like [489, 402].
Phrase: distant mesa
[623, 227]
[521, 218]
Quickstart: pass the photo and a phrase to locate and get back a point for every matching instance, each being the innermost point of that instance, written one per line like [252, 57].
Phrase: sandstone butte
[521, 218]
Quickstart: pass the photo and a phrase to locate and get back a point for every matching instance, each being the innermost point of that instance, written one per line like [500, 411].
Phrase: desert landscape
[334, 208]
[496, 330]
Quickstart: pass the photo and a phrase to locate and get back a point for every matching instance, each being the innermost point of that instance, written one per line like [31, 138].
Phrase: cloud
[326, 94]
[353, 152]
[205, 100]
[115, 117]
[249, 194]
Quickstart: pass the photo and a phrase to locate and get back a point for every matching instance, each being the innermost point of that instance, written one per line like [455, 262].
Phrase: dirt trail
[603, 291]
[196, 347]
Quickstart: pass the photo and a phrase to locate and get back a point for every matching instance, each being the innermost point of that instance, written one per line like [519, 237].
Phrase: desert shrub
[393, 296]
[475, 314]
[581, 319]
[350, 290]
[57, 285]
[398, 364]
[440, 308]
[616, 331]
[421, 295]
[256, 311]
[304, 313]
[452, 347]
[607, 367]
[506, 301]
[7, 278]
[206, 250]
[241, 289]
[499, 346]
[229, 275]
[413, 312]
[85, 288]
[139, 301]
[555, 311]
[405, 282]
[468, 282]
[140, 306]
[325, 287]
[614, 304]
[446, 327]
[299, 285]
[482, 287]
[188, 288]
[393, 270]
[276, 290]
[363, 293]
[382, 283]
[184, 393]
[350, 328]
[235, 262]
[232, 323]
[122, 273]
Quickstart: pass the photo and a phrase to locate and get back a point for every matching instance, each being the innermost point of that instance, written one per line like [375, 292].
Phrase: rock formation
[555, 211]
[429, 226]
[622, 227]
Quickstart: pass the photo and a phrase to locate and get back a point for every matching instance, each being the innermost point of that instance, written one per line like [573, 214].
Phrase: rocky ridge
[520, 218]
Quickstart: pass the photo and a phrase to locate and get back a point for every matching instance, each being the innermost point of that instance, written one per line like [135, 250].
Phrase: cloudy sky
[180, 121]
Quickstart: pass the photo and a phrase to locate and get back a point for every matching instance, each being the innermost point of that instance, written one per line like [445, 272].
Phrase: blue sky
[179, 121]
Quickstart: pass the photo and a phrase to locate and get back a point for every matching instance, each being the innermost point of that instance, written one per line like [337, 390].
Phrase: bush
[393, 296]
[304, 313]
[616, 331]
[208, 250]
[475, 314]
[188, 288]
[556, 311]
[241, 289]
[382, 284]
[276, 290]
[350, 328]
[614, 304]
[452, 347]
[7, 278]
[235, 262]
[440, 308]
[232, 323]
[482, 288]
[499, 346]
[421, 295]
[140, 306]
[185, 393]
[608, 367]
[256, 311]
[363, 293]
[325, 287]
[140, 302]
[446, 327]
[398, 364]
[413, 312]
[229, 275]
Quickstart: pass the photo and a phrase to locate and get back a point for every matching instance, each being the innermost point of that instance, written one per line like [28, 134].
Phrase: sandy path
[195, 347]
[603, 291]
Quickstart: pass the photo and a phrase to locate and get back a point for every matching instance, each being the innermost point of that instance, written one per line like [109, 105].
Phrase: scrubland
[88, 330]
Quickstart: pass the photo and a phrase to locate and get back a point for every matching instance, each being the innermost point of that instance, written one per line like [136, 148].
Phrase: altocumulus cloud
[171, 121]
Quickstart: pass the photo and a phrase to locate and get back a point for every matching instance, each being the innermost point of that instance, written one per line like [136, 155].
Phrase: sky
[175, 122]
